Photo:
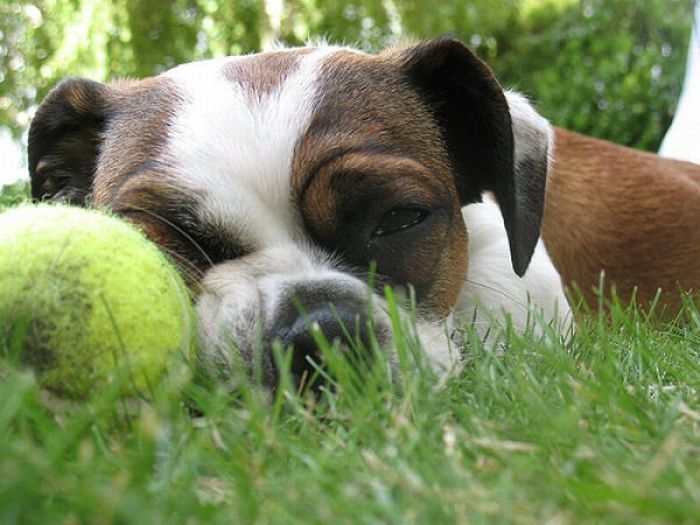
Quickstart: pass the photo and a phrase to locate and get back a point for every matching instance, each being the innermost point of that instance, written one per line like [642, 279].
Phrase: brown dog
[631, 214]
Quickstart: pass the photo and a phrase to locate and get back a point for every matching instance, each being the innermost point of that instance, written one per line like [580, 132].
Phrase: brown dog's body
[632, 214]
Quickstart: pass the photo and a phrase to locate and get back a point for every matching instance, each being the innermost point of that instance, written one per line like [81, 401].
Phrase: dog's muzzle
[343, 322]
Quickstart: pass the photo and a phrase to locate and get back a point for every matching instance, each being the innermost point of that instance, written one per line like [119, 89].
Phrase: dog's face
[277, 180]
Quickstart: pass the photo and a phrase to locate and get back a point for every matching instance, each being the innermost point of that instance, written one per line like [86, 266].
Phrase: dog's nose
[342, 322]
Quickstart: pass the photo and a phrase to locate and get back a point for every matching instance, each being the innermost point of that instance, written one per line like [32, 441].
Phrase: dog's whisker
[186, 267]
[503, 293]
[179, 230]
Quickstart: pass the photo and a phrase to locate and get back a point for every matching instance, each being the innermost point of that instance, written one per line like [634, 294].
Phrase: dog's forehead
[239, 138]
[255, 76]
[233, 137]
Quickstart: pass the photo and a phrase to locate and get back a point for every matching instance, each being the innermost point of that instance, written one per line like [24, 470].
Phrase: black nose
[336, 322]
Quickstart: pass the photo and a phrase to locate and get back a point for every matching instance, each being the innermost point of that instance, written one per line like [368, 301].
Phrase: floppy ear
[474, 117]
[64, 141]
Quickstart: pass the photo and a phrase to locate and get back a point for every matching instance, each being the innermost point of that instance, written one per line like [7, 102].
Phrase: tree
[610, 68]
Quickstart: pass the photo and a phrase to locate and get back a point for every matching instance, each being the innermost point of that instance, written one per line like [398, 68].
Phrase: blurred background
[608, 68]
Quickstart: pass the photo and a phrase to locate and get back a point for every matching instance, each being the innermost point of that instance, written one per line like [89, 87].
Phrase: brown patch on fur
[368, 126]
[263, 74]
[631, 214]
[135, 136]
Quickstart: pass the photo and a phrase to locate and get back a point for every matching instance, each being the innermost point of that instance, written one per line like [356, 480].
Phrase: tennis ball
[84, 297]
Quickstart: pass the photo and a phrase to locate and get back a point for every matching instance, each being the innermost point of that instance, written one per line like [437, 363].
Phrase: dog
[292, 186]
[624, 218]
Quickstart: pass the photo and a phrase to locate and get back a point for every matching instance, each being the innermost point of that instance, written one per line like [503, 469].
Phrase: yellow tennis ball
[84, 297]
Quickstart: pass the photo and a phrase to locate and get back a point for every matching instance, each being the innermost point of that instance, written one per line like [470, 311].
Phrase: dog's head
[277, 180]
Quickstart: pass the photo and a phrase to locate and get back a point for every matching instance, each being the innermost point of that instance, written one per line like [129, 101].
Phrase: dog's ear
[474, 117]
[64, 141]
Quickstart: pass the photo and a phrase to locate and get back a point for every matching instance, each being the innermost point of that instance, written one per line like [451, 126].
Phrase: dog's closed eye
[399, 219]
[193, 247]
[217, 248]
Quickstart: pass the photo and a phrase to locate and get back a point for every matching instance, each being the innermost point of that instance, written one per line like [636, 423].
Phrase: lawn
[603, 427]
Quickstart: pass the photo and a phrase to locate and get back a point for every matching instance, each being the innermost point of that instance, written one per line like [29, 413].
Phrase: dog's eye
[397, 220]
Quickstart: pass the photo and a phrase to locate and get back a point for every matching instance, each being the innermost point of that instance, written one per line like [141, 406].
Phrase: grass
[601, 428]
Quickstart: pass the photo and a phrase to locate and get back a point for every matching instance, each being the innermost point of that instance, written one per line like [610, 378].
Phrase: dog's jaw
[240, 304]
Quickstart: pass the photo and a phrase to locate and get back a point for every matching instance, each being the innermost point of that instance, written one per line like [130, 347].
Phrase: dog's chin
[242, 315]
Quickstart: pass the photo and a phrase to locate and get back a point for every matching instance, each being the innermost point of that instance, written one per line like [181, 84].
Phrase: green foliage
[602, 428]
[610, 68]
[607, 68]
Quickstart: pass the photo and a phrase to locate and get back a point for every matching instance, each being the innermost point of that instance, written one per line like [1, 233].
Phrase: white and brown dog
[276, 180]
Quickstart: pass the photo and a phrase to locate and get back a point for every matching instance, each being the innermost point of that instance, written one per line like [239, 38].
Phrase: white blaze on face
[234, 146]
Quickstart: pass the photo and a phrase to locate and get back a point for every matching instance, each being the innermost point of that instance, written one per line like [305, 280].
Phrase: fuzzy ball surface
[87, 300]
